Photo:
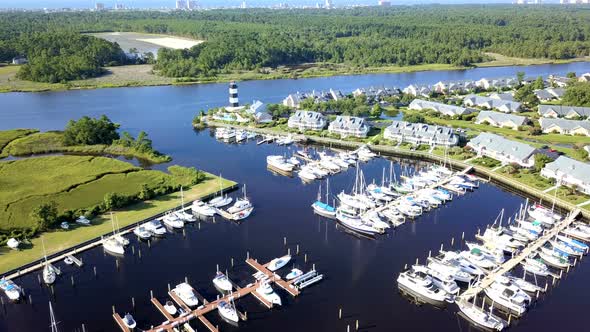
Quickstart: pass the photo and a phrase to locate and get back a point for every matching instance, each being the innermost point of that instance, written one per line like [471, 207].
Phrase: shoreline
[253, 76]
[17, 263]
[498, 179]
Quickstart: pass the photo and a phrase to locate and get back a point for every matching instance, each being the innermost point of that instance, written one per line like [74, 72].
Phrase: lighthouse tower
[233, 94]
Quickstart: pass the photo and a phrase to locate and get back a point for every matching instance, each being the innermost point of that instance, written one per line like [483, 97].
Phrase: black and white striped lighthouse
[233, 94]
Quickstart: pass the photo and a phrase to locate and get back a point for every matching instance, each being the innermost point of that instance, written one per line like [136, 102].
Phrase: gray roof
[422, 130]
[499, 118]
[502, 145]
[562, 110]
[491, 102]
[419, 104]
[565, 124]
[347, 122]
[503, 96]
[576, 169]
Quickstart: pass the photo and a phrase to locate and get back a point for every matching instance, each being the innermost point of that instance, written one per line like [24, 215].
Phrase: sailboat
[321, 208]
[113, 244]
[241, 204]
[182, 214]
[228, 310]
[49, 273]
[220, 201]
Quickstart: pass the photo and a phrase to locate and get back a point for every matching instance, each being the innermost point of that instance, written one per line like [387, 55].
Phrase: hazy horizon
[36, 4]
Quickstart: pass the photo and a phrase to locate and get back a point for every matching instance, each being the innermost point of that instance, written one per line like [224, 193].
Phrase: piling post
[509, 319]
[113, 309]
[305, 258]
[538, 293]
[117, 263]
[284, 240]
[72, 277]
[151, 294]
[183, 232]
[575, 261]
[83, 328]
[441, 246]
[139, 252]
[546, 285]
[567, 269]
[452, 241]
[313, 267]
[133, 302]
[417, 260]
[199, 226]
[478, 231]
[169, 287]
[2, 301]
[429, 253]
[340, 313]
[232, 262]
[247, 255]
[133, 250]
[186, 279]
[289, 251]
[39, 278]
[357, 324]
[347, 328]
[30, 299]
[149, 243]
[560, 274]
[297, 249]
[463, 236]
[94, 269]
[217, 267]
[406, 266]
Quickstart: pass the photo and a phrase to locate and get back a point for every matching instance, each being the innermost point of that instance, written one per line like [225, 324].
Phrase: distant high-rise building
[328, 4]
[192, 4]
[99, 6]
[384, 3]
[243, 5]
[180, 4]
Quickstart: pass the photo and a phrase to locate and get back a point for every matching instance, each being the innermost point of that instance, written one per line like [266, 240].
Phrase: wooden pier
[199, 313]
[513, 262]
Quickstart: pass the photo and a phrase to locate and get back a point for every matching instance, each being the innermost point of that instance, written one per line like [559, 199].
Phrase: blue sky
[207, 3]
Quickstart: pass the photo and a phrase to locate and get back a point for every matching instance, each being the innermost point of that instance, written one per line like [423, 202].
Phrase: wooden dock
[513, 262]
[199, 313]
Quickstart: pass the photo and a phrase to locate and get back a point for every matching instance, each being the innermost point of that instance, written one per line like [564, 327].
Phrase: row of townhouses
[492, 103]
[501, 120]
[566, 127]
[294, 100]
[561, 111]
[445, 109]
[420, 133]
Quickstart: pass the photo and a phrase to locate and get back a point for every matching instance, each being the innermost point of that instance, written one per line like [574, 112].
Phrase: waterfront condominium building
[503, 150]
[349, 126]
[569, 172]
[307, 120]
[421, 133]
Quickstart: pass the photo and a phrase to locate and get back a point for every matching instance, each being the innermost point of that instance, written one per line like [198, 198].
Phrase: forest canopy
[371, 36]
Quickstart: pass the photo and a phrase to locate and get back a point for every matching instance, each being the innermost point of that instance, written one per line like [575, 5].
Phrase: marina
[364, 268]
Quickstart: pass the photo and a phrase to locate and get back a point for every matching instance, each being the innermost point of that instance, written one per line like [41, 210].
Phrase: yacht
[228, 311]
[573, 243]
[481, 318]
[524, 285]
[534, 226]
[543, 215]
[553, 260]
[577, 231]
[170, 308]
[303, 153]
[240, 204]
[394, 216]
[203, 209]
[113, 246]
[476, 257]
[82, 220]
[242, 214]
[365, 154]
[222, 282]
[507, 295]
[295, 273]
[535, 266]
[155, 227]
[186, 293]
[185, 216]
[241, 135]
[446, 269]
[455, 259]
[442, 281]
[129, 321]
[493, 254]
[352, 201]
[408, 210]
[279, 164]
[307, 174]
[561, 246]
[420, 284]
[265, 290]
[529, 235]
[278, 263]
[229, 134]
[12, 291]
[13, 243]
[142, 232]
[172, 221]
[294, 161]
[351, 220]
[496, 237]
[372, 218]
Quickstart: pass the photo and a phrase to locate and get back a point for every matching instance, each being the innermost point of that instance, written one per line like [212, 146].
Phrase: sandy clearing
[170, 42]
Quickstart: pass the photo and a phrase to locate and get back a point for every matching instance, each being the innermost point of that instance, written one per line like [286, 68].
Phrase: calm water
[360, 273]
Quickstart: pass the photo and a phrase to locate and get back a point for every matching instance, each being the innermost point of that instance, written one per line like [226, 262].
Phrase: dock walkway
[512, 263]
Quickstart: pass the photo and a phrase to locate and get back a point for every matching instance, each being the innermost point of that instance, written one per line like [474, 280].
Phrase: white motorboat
[495, 255]
[221, 201]
[222, 282]
[507, 295]
[365, 154]
[321, 208]
[394, 216]
[577, 231]
[573, 243]
[129, 321]
[228, 311]
[278, 163]
[496, 237]
[185, 216]
[172, 221]
[352, 201]
[353, 222]
[170, 308]
[306, 174]
[447, 269]
[82, 220]
[203, 209]
[561, 246]
[442, 281]
[420, 284]
[65, 225]
[329, 165]
[528, 234]
[455, 259]
[186, 293]
[409, 210]
[288, 140]
[68, 260]
[278, 263]
[294, 161]
[13, 243]
[12, 290]
[525, 285]
[113, 246]
[155, 227]
[241, 135]
[481, 318]
[142, 232]
[541, 214]
[553, 260]
[242, 214]
[304, 154]
[535, 266]
[372, 218]
[534, 226]
[476, 257]
[295, 273]
[229, 134]
[265, 290]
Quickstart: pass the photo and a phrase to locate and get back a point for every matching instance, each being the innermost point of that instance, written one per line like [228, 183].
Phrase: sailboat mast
[52, 317]
[327, 189]
[383, 178]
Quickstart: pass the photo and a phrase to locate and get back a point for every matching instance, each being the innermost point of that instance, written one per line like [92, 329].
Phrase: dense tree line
[401, 35]
[90, 131]
[577, 94]
[63, 56]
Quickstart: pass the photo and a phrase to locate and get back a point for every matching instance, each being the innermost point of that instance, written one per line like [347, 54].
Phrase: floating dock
[172, 322]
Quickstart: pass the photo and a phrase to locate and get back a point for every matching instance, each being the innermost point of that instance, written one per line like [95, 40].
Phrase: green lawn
[529, 178]
[60, 240]
[486, 162]
[574, 198]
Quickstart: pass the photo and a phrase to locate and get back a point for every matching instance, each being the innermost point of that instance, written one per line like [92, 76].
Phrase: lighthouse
[233, 94]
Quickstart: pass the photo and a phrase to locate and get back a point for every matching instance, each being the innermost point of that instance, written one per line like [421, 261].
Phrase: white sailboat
[203, 209]
[49, 273]
[321, 208]
[240, 204]
[182, 214]
[222, 282]
[12, 290]
[112, 244]
[479, 317]
[221, 200]
[228, 310]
